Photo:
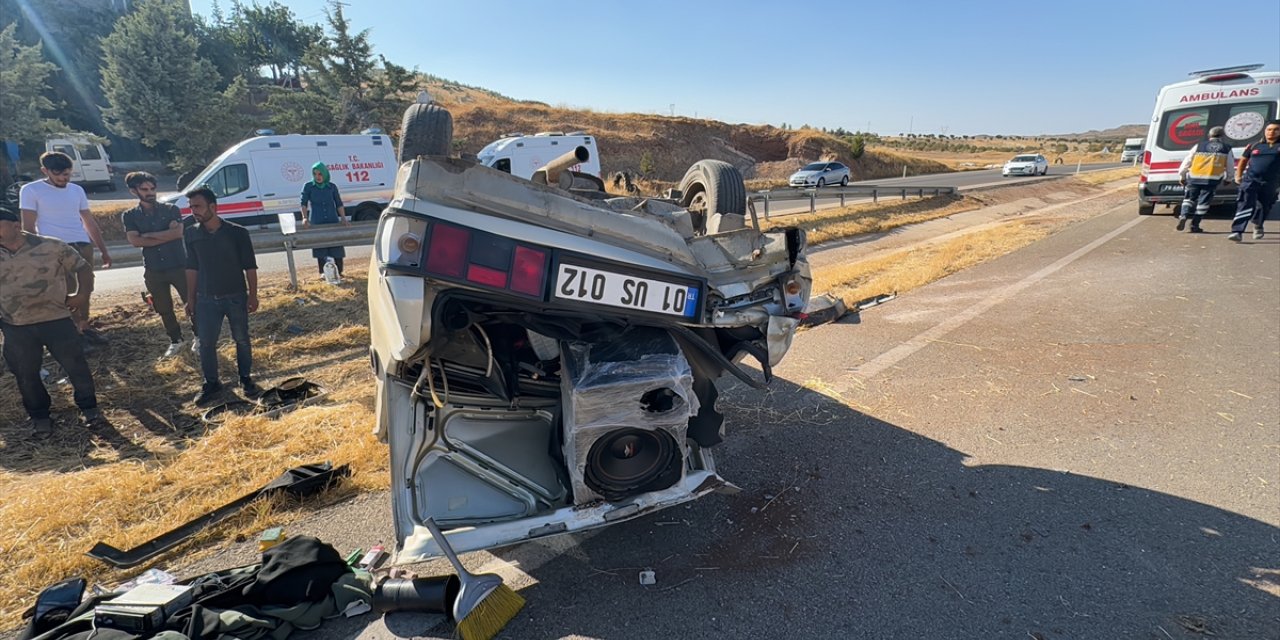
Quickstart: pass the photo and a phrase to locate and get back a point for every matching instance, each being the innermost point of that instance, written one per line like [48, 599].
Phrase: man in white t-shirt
[56, 208]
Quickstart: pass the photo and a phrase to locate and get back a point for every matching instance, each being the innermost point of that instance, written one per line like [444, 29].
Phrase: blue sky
[932, 67]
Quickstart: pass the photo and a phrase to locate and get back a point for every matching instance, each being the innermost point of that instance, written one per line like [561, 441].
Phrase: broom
[484, 605]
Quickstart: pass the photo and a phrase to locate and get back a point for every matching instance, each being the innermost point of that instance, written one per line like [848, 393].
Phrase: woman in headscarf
[322, 204]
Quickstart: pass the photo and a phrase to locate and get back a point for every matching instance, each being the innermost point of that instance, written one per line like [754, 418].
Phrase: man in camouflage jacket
[36, 313]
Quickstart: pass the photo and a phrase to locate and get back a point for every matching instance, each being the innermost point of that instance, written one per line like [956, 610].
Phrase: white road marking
[880, 363]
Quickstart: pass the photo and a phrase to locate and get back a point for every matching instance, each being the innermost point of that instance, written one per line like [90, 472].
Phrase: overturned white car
[546, 356]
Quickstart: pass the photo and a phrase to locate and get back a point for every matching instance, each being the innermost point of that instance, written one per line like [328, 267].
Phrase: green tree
[647, 166]
[162, 93]
[857, 146]
[347, 88]
[70, 32]
[23, 75]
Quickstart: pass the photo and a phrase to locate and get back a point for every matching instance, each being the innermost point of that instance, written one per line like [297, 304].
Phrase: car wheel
[822, 182]
[844, 182]
[425, 130]
[710, 187]
[366, 211]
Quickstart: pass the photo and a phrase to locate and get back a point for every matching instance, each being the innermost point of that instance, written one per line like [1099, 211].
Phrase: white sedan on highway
[820, 174]
[1030, 164]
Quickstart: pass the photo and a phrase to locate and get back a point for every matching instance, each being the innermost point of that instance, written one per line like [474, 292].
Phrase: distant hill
[1122, 131]
[670, 145]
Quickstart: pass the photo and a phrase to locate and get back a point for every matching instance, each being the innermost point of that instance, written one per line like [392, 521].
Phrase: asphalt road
[1077, 440]
[962, 180]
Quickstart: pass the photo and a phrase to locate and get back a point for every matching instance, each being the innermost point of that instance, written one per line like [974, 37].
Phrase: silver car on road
[820, 174]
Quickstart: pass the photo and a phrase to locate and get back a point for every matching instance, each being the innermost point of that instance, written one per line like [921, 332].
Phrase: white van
[92, 165]
[260, 177]
[521, 155]
[1239, 99]
[1132, 149]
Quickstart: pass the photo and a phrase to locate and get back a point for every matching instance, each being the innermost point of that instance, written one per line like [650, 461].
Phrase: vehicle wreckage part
[627, 405]
[425, 130]
[417, 544]
[424, 595]
[299, 481]
[457, 490]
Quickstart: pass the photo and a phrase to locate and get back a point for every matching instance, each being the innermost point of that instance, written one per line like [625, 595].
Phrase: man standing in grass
[56, 208]
[36, 313]
[156, 228]
[222, 282]
[1206, 166]
[1259, 176]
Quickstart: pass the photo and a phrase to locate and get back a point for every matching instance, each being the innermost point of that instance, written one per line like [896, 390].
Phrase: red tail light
[447, 254]
[529, 271]
[486, 259]
[1146, 166]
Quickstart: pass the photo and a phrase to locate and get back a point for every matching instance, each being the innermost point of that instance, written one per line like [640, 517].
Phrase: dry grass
[913, 268]
[109, 222]
[158, 466]
[835, 224]
[1110, 175]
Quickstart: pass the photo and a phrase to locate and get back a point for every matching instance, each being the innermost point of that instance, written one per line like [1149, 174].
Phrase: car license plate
[585, 284]
[1170, 188]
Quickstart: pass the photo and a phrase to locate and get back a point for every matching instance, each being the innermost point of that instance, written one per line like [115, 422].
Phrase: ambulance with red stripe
[263, 176]
[1239, 99]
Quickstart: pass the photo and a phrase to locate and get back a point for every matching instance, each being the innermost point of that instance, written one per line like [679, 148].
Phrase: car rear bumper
[1166, 192]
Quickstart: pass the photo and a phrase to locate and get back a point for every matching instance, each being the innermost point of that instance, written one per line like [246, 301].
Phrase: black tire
[1045, 172]
[822, 182]
[844, 182]
[717, 186]
[425, 130]
[366, 211]
[1146, 209]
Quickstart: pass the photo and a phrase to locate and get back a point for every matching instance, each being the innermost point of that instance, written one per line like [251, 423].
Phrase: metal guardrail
[271, 239]
[875, 192]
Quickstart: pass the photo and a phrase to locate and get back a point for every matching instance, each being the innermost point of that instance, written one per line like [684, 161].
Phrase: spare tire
[425, 130]
[714, 187]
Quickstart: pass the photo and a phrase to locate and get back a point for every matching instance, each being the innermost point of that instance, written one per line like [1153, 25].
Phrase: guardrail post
[813, 201]
[875, 196]
[1078, 166]
[842, 197]
[766, 205]
[920, 193]
[293, 270]
[904, 193]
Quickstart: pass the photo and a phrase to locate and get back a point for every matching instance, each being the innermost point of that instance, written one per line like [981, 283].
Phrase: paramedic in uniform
[1205, 167]
[322, 204]
[1259, 176]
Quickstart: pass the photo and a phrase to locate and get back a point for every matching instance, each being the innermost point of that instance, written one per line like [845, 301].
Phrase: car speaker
[628, 461]
[626, 409]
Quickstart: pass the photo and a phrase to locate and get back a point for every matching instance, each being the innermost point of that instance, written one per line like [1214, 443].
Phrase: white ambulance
[263, 176]
[522, 155]
[1239, 99]
[91, 166]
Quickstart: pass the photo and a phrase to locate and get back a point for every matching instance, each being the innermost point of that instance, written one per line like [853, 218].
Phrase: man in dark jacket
[222, 282]
[1259, 176]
